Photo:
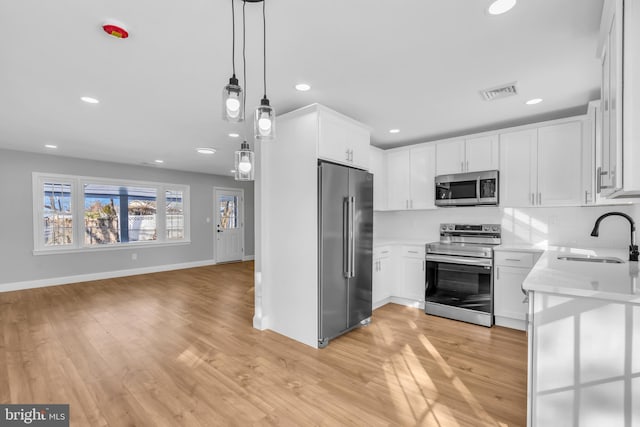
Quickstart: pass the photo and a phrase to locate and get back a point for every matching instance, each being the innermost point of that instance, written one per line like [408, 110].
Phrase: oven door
[460, 282]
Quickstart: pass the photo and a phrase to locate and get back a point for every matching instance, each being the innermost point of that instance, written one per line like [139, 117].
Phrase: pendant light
[232, 96]
[244, 163]
[264, 124]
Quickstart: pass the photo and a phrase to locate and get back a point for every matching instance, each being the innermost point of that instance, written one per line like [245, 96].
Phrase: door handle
[352, 257]
[345, 238]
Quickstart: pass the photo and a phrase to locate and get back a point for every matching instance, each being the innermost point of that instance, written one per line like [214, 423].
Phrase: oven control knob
[443, 227]
[450, 226]
[485, 228]
[494, 228]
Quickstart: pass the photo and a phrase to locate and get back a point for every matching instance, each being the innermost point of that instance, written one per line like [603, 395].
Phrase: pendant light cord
[233, 37]
[264, 46]
[244, 60]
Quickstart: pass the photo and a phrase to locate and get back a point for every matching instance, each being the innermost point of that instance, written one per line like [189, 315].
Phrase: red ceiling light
[115, 31]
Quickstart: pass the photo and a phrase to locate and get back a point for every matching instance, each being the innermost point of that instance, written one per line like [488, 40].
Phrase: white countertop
[615, 282]
[408, 242]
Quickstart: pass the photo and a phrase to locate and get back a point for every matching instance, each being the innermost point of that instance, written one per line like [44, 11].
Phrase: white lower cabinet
[413, 278]
[382, 279]
[509, 305]
[398, 275]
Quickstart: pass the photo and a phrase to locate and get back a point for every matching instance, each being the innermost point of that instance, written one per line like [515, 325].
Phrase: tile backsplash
[561, 226]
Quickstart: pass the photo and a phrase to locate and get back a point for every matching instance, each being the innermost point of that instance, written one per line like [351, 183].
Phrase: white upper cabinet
[410, 178]
[617, 173]
[481, 153]
[560, 164]
[422, 182]
[398, 179]
[450, 157]
[607, 174]
[378, 167]
[342, 139]
[542, 167]
[469, 155]
[518, 168]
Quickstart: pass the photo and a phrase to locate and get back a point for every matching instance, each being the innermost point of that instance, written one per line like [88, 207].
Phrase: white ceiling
[414, 65]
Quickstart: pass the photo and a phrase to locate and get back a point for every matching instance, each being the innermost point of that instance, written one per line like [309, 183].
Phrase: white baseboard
[399, 300]
[248, 258]
[55, 281]
[508, 322]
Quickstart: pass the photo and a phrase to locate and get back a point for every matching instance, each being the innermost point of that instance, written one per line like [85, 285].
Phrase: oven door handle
[484, 262]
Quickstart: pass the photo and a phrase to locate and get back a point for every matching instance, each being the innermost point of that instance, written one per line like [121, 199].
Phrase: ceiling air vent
[498, 92]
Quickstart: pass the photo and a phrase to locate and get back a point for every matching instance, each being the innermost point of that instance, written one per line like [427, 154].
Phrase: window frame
[77, 213]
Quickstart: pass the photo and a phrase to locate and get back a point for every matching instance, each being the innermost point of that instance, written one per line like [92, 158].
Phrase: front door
[229, 232]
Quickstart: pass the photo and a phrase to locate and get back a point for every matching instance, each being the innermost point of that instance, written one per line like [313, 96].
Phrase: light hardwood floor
[178, 349]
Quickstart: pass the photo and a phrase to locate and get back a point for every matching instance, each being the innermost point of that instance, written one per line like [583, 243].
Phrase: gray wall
[17, 262]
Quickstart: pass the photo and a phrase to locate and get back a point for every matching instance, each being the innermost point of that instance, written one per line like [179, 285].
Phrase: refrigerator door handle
[346, 243]
[352, 236]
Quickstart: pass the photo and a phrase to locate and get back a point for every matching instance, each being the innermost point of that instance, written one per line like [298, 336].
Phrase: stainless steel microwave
[467, 189]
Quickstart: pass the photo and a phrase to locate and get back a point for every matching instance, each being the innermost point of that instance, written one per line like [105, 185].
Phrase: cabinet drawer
[514, 259]
[381, 251]
[413, 251]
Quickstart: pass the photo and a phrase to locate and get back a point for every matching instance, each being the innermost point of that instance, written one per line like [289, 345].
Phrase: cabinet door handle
[347, 154]
[497, 273]
[407, 203]
[467, 165]
[513, 259]
[598, 179]
[539, 198]
[586, 196]
[423, 263]
[411, 203]
[533, 200]
[461, 166]
[413, 252]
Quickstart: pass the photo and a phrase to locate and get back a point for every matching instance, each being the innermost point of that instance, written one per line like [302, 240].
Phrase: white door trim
[216, 218]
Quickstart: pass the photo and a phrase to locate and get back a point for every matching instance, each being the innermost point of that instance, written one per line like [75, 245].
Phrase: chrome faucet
[633, 248]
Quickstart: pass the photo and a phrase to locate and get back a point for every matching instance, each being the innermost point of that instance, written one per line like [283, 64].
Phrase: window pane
[58, 221]
[175, 215]
[109, 207]
[228, 212]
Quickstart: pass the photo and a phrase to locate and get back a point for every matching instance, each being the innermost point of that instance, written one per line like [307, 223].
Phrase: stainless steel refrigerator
[345, 238]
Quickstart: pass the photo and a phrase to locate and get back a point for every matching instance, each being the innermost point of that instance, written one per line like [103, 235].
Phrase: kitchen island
[584, 339]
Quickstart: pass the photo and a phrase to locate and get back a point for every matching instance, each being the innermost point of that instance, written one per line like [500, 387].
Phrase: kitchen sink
[588, 258]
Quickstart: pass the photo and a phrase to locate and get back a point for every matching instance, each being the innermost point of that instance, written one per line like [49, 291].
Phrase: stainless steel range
[459, 272]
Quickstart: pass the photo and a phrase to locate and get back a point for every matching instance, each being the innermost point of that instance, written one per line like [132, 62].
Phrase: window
[175, 214]
[57, 225]
[228, 212]
[106, 213]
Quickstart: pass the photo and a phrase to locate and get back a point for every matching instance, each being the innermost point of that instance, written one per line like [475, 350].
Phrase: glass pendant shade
[232, 108]
[244, 163]
[265, 121]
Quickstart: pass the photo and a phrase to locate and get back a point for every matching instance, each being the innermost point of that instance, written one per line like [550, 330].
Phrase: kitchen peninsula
[584, 328]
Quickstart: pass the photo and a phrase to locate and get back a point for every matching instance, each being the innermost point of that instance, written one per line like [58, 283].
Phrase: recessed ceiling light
[234, 135]
[50, 146]
[206, 150]
[534, 101]
[499, 7]
[303, 87]
[394, 130]
[89, 100]
[159, 161]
